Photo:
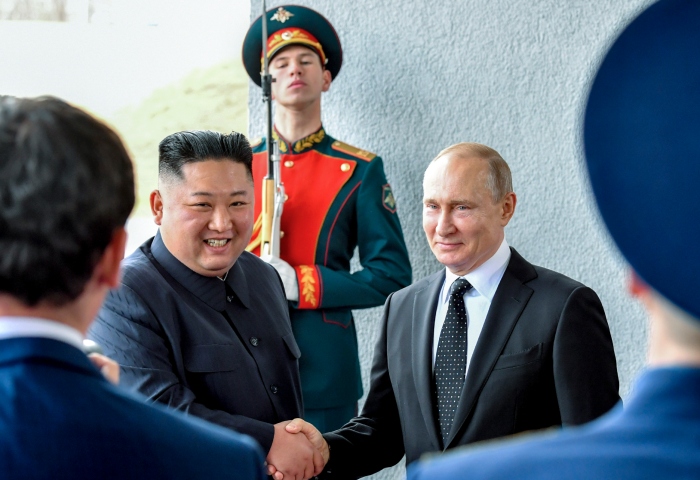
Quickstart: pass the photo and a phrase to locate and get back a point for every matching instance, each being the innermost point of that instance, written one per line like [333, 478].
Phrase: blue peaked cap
[642, 143]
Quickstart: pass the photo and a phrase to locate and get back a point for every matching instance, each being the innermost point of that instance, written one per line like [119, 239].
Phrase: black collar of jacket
[211, 290]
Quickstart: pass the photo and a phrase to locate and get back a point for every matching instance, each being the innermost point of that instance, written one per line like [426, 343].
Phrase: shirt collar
[484, 279]
[211, 290]
[14, 327]
[302, 145]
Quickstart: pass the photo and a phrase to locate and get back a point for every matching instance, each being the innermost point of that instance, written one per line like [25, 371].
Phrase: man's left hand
[108, 367]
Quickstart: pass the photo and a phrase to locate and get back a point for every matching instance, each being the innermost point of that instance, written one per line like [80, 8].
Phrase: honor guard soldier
[336, 198]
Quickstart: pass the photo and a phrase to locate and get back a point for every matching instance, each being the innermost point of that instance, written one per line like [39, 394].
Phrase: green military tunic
[338, 198]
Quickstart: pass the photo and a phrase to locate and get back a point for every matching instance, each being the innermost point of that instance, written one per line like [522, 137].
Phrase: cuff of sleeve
[309, 286]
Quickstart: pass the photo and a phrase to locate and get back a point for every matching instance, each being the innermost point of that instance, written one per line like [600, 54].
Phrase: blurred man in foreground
[66, 190]
[643, 155]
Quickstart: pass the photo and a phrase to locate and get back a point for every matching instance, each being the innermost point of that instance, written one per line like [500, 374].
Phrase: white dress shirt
[477, 300]
[14, 327]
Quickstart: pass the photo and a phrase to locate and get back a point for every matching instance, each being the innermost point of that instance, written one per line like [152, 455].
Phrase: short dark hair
[181, 148]
[66, 185]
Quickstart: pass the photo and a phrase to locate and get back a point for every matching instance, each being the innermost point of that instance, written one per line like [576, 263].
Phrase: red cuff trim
[309, 287]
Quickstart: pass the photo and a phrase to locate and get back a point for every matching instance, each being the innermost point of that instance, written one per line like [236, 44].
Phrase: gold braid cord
[254, 243]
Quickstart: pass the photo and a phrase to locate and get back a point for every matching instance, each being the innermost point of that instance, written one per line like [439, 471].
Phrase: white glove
[287, 274]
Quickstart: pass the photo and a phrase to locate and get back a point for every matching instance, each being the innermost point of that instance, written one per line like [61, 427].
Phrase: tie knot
[460, 286]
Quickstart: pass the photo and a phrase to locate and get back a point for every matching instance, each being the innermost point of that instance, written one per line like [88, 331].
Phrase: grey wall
[419, 76]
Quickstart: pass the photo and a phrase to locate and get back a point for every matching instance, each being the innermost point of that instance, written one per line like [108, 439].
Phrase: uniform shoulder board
[354, 151]
[255, 142]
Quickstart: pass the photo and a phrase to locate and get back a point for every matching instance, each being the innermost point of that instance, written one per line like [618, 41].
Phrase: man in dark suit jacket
[537, 345]
[197, 323]
[642, 150]
[67, 188]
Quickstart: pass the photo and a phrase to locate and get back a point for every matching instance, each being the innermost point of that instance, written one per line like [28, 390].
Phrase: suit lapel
[508, 303]
[424, 306]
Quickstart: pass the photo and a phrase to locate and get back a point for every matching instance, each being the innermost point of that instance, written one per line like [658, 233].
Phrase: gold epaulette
[255, 142]
[354, 151]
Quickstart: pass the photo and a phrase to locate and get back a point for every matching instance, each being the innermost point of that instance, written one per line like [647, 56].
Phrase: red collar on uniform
[302, 145]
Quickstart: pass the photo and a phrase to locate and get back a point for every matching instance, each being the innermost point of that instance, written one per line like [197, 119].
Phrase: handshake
[298, 451]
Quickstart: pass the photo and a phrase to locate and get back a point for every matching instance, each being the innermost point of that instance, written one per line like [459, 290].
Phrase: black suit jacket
[544, 358]
[222, 351]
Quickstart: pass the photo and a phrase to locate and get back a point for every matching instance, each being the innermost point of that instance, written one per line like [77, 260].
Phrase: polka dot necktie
[451, 358]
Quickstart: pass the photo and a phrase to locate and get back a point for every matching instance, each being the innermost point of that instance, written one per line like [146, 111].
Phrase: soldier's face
[299, 77]
[463, 224]
[206, 219]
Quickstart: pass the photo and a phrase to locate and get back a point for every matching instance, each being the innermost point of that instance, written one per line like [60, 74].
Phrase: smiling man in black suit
[197, 323]
[489, 347]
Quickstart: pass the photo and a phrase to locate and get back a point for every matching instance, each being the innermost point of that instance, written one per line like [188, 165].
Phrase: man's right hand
[287, 274]
[294, 457]
[313, 435]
